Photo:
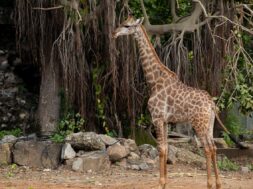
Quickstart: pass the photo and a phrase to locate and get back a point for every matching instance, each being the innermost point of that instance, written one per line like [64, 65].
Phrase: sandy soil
[180, 176]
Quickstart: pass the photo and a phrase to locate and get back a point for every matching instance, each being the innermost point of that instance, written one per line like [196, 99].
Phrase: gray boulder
[37, 154]
[88, 141]
[9, 139]
[5, 153]
[107, 140]
[130, 145]
[67, 152]
[148, 151]
[116, 152]
[133, 156]
[68, 163]
[172, 154]
[244, 170]
[92, 161]
[144, 166]
[186, 156]
[138, 165]
[220, 143]
[122, 163]
[77, 164]
[80, 153]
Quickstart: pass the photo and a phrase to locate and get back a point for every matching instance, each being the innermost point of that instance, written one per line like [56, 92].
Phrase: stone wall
[6, 11]
[17, 102]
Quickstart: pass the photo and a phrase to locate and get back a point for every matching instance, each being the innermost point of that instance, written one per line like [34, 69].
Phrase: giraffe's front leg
[161, 133]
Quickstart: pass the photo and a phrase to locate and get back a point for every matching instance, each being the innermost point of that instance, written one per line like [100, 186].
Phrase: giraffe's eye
[126, 26]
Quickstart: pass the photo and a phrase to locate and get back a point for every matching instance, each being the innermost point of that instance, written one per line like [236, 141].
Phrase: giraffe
[171, 101]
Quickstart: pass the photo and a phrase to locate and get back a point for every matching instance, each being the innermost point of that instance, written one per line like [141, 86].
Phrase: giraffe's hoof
[218, 186]
[162, 183]
[162, 186]
[209, 186]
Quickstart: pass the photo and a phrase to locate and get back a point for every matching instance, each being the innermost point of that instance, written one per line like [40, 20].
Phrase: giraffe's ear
[139, 21]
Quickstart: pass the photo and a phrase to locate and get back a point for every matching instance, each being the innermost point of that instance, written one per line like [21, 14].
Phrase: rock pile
[88, 152]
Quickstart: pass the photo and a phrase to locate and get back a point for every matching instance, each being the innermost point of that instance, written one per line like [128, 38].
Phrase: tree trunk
[49, 100]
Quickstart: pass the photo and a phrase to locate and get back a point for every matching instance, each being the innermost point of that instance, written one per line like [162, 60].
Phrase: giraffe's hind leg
[215, 166]
[213, 148]
[208, 153]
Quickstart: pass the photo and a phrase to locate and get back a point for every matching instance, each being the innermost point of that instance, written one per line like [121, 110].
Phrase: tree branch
[223, 17]
[185, 24]
[146, 19]
[247, 8]
[49, 8]
[74, 4]
[173, 10]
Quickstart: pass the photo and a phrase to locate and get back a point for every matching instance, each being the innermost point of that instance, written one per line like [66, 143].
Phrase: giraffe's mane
[165, 68]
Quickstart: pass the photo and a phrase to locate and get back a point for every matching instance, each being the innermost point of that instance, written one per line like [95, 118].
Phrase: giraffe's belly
[168, 113]
[176, 117]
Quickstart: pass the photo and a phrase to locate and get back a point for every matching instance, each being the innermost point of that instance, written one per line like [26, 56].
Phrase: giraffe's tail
[231, 136]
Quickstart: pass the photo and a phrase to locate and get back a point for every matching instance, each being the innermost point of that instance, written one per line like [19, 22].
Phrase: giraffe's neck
[151, 63]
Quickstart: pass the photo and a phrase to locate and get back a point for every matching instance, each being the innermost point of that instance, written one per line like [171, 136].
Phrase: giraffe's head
[128, 27]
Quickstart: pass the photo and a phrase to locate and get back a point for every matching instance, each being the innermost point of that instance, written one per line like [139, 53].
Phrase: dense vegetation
[207, 43]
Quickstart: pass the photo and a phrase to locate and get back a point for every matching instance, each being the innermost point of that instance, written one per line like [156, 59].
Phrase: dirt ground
[179, 176]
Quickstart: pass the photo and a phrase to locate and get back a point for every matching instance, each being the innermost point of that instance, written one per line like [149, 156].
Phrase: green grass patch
[226, 164]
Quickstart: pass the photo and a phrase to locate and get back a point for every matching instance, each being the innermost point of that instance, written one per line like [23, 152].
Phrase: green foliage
[250, 166]
[144, 120]
[185, 8]
[190, 55]
[242, 93]
[84, 8]
[227, 165]
[233, 124]
[245, 97]
[159, 11]
[58, 137]
[15, 132]
[142, 137]
[101, 102]
[228, 140]
[239, 76]
[10, 174]
[70, 124]
[12, 168]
